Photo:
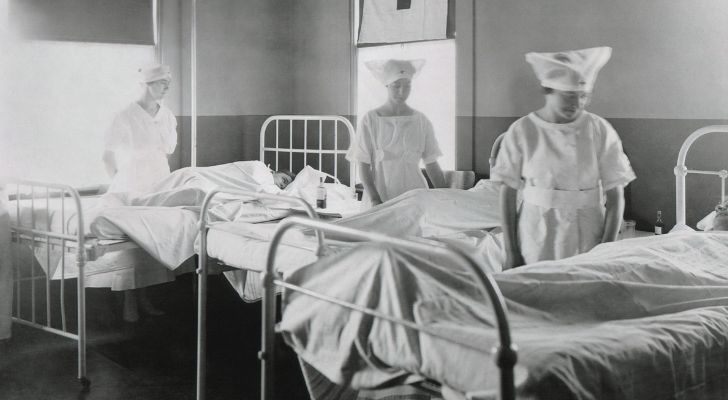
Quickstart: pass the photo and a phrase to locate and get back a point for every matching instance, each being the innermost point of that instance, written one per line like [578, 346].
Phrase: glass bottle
[659, 225]
[321, 194]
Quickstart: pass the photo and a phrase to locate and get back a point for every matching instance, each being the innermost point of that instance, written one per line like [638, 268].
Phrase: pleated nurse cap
[574, 70]
[388, 71]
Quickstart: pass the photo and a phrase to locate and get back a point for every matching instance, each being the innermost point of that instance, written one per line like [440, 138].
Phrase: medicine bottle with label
[321, 194]
[659, 225]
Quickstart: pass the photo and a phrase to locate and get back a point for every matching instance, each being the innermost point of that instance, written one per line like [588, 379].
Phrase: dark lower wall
[220, 139]
[652, 146]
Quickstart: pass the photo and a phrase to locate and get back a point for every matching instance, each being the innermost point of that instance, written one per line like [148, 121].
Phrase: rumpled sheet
[432, 212]
[636, 319]
[458, 217]
[164, 222]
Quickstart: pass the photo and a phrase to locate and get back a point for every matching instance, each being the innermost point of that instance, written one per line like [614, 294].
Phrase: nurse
[136, 147]
[394, 138]
[141, 136]
[564, 160]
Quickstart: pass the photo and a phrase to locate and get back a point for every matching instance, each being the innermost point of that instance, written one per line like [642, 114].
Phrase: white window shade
[100, 21]
[398, 21]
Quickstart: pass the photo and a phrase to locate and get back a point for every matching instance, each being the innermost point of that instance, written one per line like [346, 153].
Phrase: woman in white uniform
[137, 145]
[564, 161]
[142, 136]
[394, 138]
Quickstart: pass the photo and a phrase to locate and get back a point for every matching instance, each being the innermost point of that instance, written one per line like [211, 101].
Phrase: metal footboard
[36, 233]
[506, 355]
[202, 269]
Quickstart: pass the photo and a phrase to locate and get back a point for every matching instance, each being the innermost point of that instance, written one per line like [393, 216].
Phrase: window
[60, 98]
[433, 89]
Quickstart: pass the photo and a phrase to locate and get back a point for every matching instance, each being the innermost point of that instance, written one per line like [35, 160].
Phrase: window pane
[59, 103]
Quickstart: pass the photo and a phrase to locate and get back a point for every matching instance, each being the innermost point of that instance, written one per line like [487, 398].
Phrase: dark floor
[152, 359]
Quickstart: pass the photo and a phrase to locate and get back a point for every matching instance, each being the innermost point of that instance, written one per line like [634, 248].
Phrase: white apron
[394, 147]
[139, 170]
[140, 143]
[562, 170]
[555, 224]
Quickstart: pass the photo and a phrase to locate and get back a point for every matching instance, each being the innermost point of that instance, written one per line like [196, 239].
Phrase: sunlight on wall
[61, 97]
[433, 89]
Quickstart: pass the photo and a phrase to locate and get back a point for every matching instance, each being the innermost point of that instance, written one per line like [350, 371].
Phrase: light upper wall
[670, 58]
[321, 57]
[243, 55]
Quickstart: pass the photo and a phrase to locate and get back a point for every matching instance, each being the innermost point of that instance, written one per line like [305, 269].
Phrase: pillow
[706, 223]
[309, 177]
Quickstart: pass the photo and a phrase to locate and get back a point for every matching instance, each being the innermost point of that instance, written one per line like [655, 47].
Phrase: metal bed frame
[39, 194]
[276, 122]
[505, 354]
[681, 172]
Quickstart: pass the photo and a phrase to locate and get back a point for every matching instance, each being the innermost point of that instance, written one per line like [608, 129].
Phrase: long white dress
[562, 171]
[394, 146]
[141, 143]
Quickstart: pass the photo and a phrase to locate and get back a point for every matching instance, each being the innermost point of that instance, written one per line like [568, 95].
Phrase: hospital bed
[61, 235]
[49, 220]
[639, 318]
[245, 246]
[292, 142]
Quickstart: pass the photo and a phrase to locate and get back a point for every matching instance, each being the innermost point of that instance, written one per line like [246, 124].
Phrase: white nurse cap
[574, 70]
[388, 71]
[154, 72]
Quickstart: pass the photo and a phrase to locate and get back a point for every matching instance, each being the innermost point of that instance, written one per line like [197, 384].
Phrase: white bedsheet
[432, 213]
[459, 217]
[62, 213]
[636, 319]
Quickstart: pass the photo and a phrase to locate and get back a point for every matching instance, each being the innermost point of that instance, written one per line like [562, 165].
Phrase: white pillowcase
[706, 223]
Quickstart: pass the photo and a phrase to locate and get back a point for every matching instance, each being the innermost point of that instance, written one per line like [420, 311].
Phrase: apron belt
[569, 199]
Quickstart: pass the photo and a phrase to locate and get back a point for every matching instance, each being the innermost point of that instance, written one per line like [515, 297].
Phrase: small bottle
[659, 225]
[321, 194]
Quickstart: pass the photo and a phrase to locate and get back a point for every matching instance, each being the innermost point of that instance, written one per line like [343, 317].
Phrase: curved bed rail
[336, 119]
[681, 171]
[201, 271]
[62, 191]
[506, 355]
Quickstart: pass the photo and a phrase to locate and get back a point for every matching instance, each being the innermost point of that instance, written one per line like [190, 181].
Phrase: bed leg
[202, 318]
[267, 353]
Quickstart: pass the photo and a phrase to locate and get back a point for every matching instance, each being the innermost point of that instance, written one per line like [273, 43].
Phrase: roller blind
[401, 21]
[104, 21]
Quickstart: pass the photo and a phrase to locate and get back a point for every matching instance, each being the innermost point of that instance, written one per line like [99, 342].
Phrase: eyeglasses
[161, 82]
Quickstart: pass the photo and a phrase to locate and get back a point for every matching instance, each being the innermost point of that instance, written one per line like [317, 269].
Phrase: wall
[256, 58]
[243, 73]
[667, 77]
[322, 66]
